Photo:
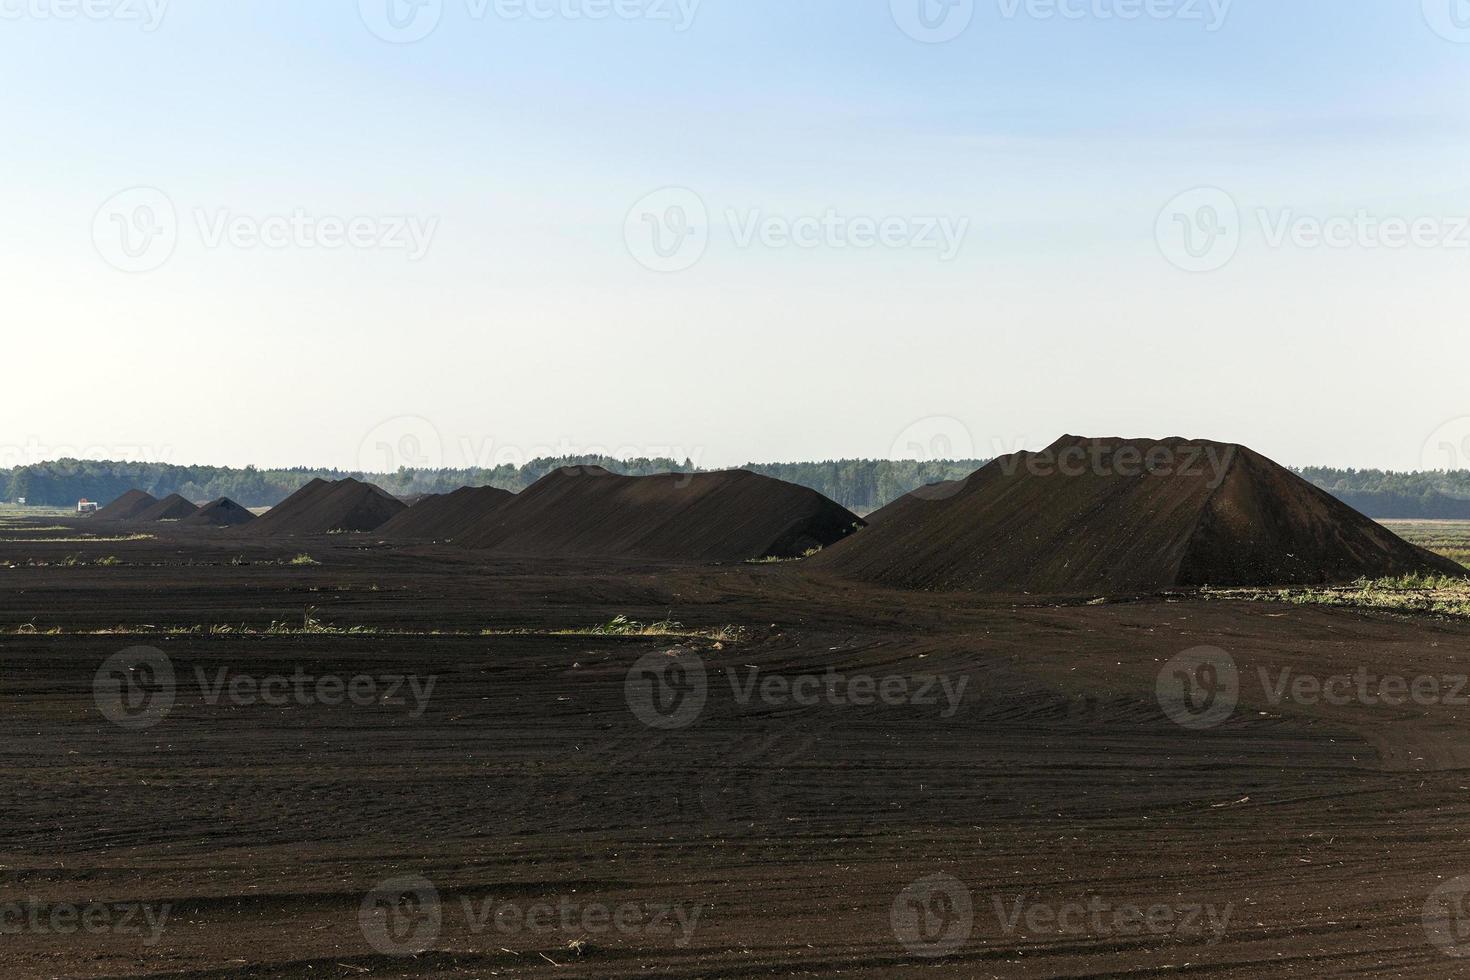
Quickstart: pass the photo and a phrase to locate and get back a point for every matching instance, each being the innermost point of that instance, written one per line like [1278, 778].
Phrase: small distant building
[20, 501]
[85, 506]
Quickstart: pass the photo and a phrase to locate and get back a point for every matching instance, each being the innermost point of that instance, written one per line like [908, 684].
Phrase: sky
[371, 233]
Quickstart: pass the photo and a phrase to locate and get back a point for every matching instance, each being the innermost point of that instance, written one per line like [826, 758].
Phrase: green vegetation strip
[311, 625]
[1438, 595]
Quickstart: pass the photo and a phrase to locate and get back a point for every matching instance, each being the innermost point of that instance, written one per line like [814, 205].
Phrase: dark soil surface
[527, 820]
[223, 512]
[728, 516]
[170, 508]
[446, 516]
[323, 506]
[126, 507]
[1109, 517]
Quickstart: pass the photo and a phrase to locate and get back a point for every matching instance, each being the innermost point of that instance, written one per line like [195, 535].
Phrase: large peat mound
[170, 508]
[729, 516]
[446, 516]
[223, 512]
[1116, 516]
[127, 507]
[321, 507]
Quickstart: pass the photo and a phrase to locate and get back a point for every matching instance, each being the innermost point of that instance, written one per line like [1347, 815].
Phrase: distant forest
[861, 485]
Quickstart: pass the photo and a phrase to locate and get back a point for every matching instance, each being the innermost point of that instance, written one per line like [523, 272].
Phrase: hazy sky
[354, 233]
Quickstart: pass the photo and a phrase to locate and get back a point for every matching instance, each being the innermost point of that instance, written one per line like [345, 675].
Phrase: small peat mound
[445, 516]
[127, 507]
[322, 507]
[223, 512]
[729, 516]
[1118, 516]
[170, 508]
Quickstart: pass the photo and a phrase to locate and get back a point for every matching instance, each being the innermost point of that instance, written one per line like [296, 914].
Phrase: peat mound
[223, 512]
[127, 507]
[730, 516]
[445, 516]
[1117, 516]
[324, 506]
[170, 508]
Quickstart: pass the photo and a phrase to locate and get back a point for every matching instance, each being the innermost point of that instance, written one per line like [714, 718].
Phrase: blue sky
[526, 149]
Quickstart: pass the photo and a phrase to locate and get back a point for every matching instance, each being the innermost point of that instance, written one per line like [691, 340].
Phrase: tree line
[861, 485]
